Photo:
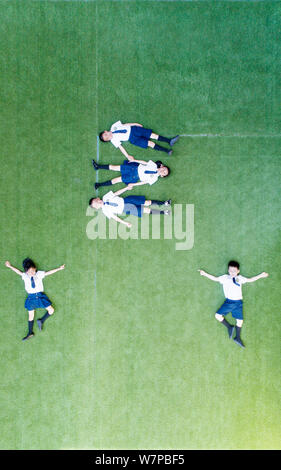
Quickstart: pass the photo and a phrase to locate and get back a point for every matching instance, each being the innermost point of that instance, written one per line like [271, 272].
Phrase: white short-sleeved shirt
[38, 279]
[232, 291]
[122, 137]
[146, 177]
[108, 209]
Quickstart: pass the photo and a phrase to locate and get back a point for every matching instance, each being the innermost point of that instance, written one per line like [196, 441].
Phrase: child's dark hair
[234, 264]
[159, 164]
[169, 171]
[101, 137]
[27, 264]
[90, 201]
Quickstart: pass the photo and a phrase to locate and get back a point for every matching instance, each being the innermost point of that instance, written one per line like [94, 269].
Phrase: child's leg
[154, 136]
[31, 315]
[161, 138]
[41, 321]
[222, 320]
[147, 210]
[30, 325]
[114, 167]
[237, 338]
[161, 203]
[30, 321]
[154, 146]
[97, 166]
[118, 179]
[50, 310]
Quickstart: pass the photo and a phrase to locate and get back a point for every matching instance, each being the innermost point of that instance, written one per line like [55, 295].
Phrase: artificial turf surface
[133, 357]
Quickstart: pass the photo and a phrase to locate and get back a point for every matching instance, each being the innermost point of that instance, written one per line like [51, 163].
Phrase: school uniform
[232, 288]
[133, 172]
[115, 205]
[136, 135]
[34, 287]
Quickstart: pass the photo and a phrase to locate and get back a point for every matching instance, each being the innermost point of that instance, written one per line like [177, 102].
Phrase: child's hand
[264, 274]
[129, 225]
[130, 186]
[8, 264]
[131, 158]
[202, 273]
[62, 266]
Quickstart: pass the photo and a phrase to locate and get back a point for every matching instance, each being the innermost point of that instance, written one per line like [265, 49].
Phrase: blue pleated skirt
[134, 205]
[129, 172]
[140, 136]
[38, 300]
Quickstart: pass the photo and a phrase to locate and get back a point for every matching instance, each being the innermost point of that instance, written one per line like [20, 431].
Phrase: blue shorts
[235, 307]
[38, 300]
[140, 136]
[129, 172]
[134, 205]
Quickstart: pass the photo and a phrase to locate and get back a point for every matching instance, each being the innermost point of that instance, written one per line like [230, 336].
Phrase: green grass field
[133, 357]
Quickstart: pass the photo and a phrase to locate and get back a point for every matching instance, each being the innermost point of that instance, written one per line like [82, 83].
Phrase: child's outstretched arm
[133, 124]
[53, 271]
[209, 276]
[127, 188]
[125, 153]
[140, 183]
[138, 161]
[128, 224]
[16, 270]
[255, 278]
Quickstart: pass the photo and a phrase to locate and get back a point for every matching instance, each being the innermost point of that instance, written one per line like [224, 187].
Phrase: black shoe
[167, 213]
[174, 140]
[28, 336]
[239, 342]
[168, 202]
[97, 185]
[95, 165]
[40, 324]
